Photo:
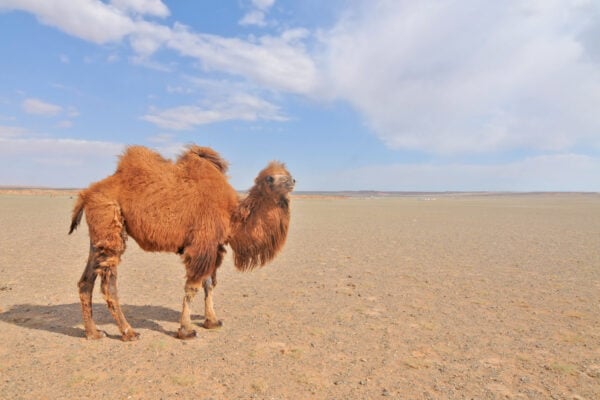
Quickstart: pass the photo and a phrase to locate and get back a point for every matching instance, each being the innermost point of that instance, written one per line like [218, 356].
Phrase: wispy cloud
[567, 172]
[474, 78]
[435, 77]
[94, 21]
[278, 62]
[58, 147]
[39, 107]
[240, 107]
[275, 62]
[50, 162]
[256, 16]
[11, 131]
[154, 8]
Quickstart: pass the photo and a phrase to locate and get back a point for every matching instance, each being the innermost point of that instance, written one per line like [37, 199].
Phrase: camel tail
[77, 213]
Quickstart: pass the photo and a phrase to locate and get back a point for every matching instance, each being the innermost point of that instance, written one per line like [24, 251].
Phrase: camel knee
[106, 256]
[85, 286]
[191, 291]
[108, 286]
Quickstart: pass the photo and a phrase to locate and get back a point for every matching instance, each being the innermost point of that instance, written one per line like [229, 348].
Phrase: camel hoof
[95, 335]
[212, 324]
[130, 336]
[184, 334]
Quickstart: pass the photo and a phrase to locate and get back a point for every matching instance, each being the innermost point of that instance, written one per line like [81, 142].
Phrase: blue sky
[352, 95]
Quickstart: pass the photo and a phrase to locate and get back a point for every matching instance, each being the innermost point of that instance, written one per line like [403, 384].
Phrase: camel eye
[270, 179]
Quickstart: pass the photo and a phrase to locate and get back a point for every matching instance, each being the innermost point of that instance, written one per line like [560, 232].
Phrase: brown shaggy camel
[186, 207]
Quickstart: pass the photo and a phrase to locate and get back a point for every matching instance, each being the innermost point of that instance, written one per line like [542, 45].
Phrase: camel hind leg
[109, 291]
[107, 236]
[86, 289]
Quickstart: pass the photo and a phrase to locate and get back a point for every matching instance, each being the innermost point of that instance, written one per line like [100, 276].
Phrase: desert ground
[407, 297]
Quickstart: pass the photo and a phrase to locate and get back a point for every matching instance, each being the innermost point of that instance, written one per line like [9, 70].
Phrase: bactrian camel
[186, 207]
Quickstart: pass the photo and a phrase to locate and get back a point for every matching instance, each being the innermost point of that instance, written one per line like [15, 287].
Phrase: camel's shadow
[63, 318]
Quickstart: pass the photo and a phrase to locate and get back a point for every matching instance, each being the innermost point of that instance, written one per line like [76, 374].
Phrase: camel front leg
[186, 330]
[210, 318]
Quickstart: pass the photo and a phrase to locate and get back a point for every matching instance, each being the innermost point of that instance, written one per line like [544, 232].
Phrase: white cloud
[142, 7]
[263, 4]
[257, 15]
[55, 162]
[11, 131]
[239, 107]
[91, 20]
[276, 62]
[149, 37]
[561, 172]
[58, 147]
[468, 77]
[179, 89]
[254, 17]
[39, 107]
[439, 77]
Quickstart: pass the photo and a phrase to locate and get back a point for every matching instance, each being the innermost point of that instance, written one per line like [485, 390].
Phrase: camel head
[275, 180]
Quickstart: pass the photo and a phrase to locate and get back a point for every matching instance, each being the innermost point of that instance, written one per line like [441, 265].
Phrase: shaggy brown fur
[187, 207]
[260, 223]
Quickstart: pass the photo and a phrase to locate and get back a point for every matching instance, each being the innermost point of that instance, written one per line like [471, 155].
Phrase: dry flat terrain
[448, 297]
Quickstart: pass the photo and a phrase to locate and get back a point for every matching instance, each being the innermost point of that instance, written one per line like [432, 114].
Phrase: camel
[186, 207]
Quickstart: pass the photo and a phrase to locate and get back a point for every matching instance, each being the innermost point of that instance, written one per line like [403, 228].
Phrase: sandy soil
[454, 297]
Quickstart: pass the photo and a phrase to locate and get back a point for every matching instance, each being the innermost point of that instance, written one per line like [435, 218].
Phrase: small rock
[593, 371]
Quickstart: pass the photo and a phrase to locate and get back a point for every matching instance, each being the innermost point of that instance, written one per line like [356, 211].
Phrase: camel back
[181, 207]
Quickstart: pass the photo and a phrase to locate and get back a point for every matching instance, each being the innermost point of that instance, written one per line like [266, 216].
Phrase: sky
[395, 95]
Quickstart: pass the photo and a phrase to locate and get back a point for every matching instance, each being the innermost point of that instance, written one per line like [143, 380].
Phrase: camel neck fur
[260, 222]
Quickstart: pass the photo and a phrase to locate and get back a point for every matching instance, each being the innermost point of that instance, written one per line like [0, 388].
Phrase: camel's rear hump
[208, 154]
